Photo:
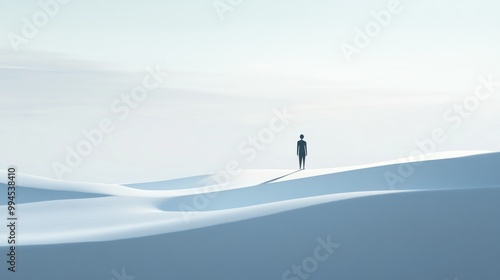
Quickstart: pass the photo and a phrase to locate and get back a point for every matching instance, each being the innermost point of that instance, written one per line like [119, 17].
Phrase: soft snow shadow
[29, 195]
[175, 184]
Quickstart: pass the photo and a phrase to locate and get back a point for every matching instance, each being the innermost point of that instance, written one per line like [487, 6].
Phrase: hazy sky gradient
[227, 76]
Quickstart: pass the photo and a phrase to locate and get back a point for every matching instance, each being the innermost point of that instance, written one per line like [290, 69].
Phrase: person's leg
[301, 161]
[304, 162]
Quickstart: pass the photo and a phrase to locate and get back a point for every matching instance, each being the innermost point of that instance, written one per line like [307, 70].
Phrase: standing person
[302, 152]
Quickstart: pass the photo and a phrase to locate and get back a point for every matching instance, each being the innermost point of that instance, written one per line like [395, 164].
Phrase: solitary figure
[302, 152]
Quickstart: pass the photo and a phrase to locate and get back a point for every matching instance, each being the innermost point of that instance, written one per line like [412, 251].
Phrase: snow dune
[441, 222]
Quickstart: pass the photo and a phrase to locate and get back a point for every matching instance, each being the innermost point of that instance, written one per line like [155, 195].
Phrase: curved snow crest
[100, 212]
[415, 160]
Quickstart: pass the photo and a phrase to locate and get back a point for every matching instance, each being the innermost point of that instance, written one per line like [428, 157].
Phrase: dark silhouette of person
[302, 152]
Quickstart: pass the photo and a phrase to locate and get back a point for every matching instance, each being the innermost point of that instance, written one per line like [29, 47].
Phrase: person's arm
[305, 147]
[297, 148]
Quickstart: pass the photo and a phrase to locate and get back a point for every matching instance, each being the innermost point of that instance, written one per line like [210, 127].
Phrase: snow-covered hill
[439, 221]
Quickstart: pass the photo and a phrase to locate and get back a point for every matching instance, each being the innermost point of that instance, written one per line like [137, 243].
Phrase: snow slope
[441, 222]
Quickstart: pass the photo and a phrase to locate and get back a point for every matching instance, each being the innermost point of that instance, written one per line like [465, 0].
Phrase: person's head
[302, 136]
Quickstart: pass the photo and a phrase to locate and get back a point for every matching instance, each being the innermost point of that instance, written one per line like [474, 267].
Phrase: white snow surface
[440, 219]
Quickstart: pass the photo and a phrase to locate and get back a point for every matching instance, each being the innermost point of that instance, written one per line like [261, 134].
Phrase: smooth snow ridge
[57, 212]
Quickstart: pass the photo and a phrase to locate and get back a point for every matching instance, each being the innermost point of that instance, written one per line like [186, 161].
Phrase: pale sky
[226, 76]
